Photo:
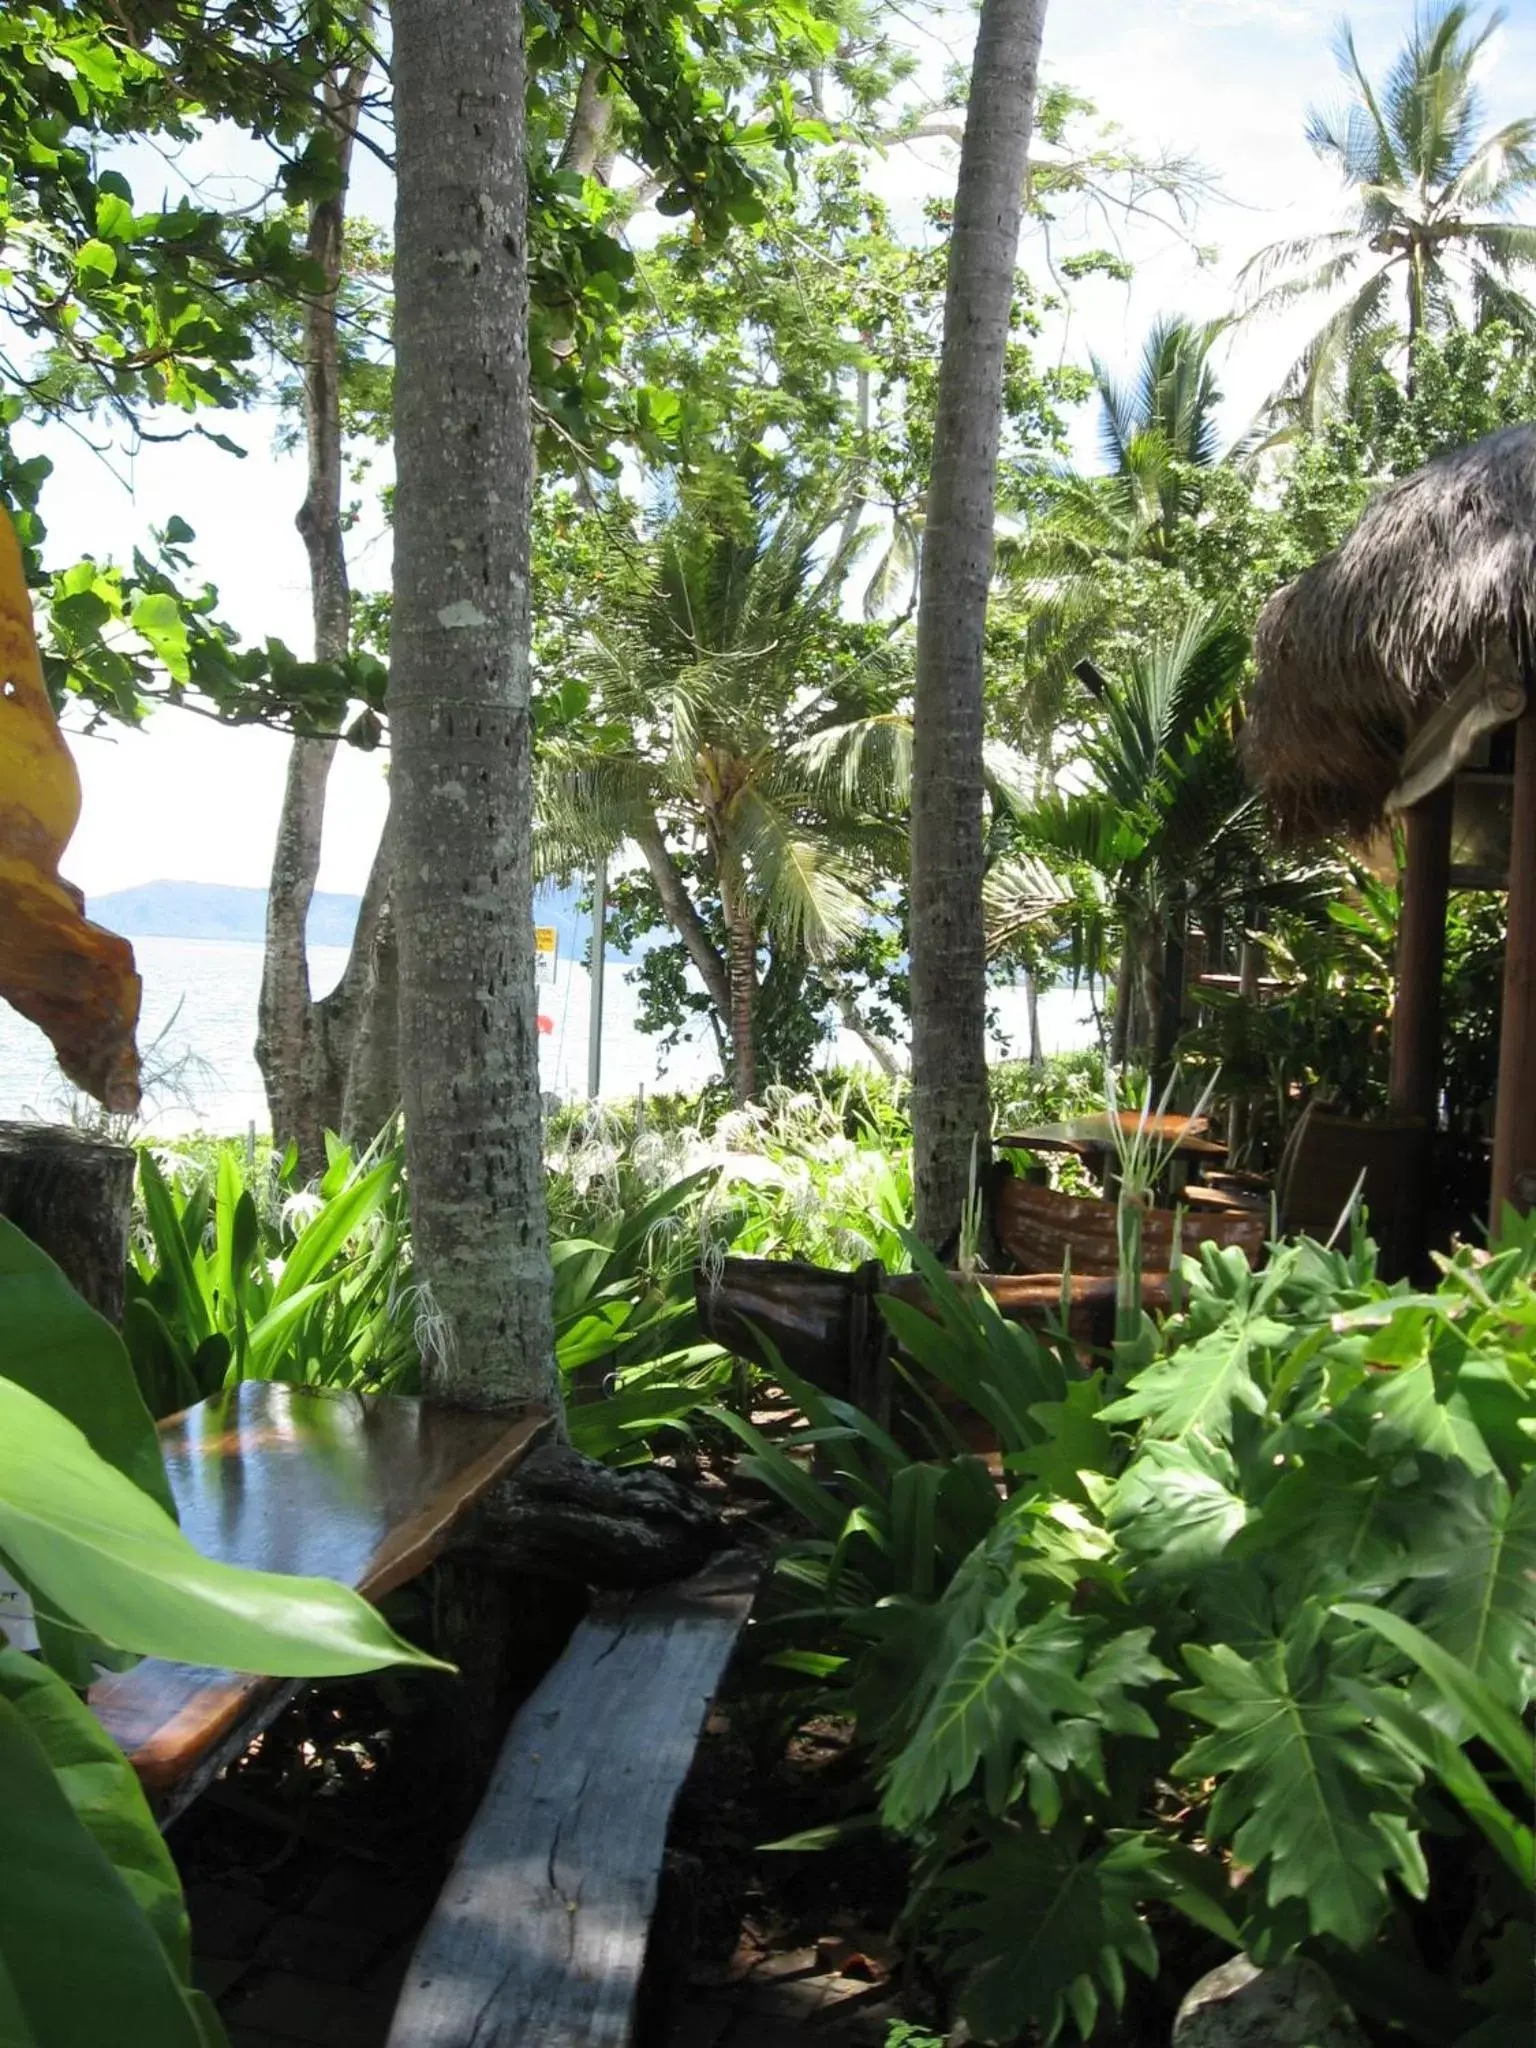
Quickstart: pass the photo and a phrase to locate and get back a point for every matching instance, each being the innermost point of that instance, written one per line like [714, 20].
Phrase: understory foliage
[94, 1943]
[1247, 1634]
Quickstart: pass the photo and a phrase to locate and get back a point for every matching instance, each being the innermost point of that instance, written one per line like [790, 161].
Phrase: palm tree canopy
[1433, 205]
[728, 683]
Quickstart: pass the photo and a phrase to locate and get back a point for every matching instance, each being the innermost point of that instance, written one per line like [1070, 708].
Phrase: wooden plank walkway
[540, 1933]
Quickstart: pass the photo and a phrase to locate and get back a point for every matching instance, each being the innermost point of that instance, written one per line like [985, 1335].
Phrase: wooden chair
[1040, 1228]
[1328, 1157]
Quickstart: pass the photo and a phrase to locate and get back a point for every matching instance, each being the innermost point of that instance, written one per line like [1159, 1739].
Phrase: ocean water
[199, 1025]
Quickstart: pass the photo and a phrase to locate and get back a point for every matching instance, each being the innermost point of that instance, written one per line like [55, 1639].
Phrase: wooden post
[71, 1195]
[1414, 1086]
[1514, 1135]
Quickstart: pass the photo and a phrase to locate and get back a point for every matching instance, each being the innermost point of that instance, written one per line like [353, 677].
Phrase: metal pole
[595, 1016]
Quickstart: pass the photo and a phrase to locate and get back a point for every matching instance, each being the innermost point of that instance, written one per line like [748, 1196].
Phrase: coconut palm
[1167, 824]
[1431, 224]
[1089, 540]
[759, 759]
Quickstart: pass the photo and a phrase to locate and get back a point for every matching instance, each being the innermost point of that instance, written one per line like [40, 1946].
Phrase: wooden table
[1179, 1141]
[1178, 1135]
[363, 1488]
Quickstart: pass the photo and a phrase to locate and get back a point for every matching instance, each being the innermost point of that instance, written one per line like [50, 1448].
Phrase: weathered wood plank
[540, 1933]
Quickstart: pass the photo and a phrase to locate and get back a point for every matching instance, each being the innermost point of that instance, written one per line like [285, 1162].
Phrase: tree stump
[72, 1195]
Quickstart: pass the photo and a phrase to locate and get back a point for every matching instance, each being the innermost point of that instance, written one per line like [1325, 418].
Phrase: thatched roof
[1438, 578]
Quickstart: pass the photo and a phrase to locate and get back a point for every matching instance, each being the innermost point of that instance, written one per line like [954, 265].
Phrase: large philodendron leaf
[80, 1965]
[1312, 1798]
[1198, 1387]
[1007, 1692]
[1175, 1508]
[1050, 1930]
[1474, 1588]
[59, 1349]
[104, 1794]
[104, 1554]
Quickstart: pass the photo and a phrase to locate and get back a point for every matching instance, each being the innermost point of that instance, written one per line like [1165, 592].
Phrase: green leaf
[1175, 1508]
[104, 1792]
[1438, 1755]
[1006, 1692]
[96, 259]
[118, 1565]
[159, 618]
[1310, 1797]
[1474, 1588]
[1075, 1441]
[59, 1349]
[1043, 1921]
[1198, 1387]
[1477, 1706]
[78, 1959]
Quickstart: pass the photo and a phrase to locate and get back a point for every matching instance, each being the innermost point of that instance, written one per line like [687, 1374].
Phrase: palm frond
[862, 765]
[806, 895]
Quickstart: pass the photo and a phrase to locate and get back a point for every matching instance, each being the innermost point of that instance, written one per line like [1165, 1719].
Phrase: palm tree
[758, 748]
[1431, 221]
[1157, 432]
[460, 711]
[1168, 824]
[950, 1108]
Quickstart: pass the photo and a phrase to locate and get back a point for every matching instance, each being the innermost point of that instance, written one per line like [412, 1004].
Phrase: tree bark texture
[459, 705]
[741, 934]
[72, 1195]
[683, 917]
[303, 1047]
[949, 1072]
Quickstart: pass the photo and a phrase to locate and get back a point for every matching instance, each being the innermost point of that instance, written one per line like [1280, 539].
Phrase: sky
[1229, 81]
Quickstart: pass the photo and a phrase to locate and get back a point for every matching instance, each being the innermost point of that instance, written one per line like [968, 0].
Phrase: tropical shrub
[94, 1943]
[1247, 1634]
[241, 1274]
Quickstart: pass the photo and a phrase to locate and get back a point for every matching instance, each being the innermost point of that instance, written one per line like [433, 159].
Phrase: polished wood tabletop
[363, 1488]
[1098, 1133]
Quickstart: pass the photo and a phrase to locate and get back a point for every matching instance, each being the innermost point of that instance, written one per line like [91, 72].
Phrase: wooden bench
[364, 1488]
[539, 1937]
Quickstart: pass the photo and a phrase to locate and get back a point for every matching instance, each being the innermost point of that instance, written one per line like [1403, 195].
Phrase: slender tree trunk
[373, 1070]
[586, 139]
[949, 1071]
[743, 963]
[683, 918]
[302, 1050]
[1125, 1000]
[459, 700]
[1032, 1005]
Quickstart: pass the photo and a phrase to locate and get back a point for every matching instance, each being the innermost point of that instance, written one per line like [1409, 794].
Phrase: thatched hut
[1386, 674]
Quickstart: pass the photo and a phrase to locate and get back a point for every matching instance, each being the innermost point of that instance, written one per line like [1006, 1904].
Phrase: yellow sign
[546, 948]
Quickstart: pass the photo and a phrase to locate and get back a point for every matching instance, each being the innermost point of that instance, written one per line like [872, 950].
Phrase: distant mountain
[218, 910]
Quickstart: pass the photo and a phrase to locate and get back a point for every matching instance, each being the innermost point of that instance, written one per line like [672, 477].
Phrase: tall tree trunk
[949, 1071]
[683, 917]
[373, 1069]
[742, 934]
[459, 700]
[586, 139]
[302, 1048]
[1032, 1005]
[1125, 1000]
